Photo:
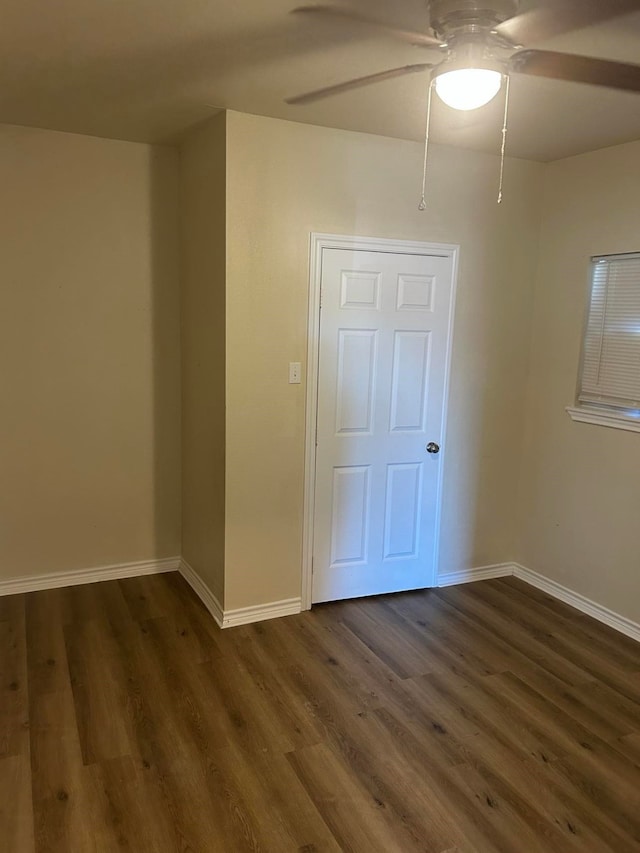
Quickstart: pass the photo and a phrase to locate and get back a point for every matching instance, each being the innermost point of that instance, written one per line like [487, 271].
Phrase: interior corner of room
[154, 296]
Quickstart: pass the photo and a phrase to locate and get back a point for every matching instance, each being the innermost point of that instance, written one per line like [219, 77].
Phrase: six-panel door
[383, 349]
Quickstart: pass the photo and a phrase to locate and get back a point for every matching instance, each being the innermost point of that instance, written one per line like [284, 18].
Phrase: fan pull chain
[504, 137]
[423, 203]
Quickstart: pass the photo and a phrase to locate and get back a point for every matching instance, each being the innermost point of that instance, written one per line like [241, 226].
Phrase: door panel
[355, 380]
[382, 361]
[403, 510]
[351, 498]
[409, 384]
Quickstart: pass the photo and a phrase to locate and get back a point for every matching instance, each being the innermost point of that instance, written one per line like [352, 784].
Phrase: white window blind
[611, 355]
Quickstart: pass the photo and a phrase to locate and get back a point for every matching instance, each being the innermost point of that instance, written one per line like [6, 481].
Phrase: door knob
[432, 447]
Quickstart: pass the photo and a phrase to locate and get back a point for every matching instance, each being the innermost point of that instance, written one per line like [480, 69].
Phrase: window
[609, 382]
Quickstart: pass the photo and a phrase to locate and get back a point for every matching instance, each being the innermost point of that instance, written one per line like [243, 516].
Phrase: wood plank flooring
[473, 719]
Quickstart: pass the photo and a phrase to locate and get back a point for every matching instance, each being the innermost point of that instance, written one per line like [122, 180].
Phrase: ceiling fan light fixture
[468, 88]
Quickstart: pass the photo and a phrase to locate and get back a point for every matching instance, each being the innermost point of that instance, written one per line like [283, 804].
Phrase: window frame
[600, 414]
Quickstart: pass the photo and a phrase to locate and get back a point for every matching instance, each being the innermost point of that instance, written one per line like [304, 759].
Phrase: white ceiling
[146, 70]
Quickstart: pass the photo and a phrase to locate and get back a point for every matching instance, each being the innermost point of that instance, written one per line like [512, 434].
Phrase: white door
[384, 345]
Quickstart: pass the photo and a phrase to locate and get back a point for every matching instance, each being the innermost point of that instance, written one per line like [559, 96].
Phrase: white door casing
[377, 384]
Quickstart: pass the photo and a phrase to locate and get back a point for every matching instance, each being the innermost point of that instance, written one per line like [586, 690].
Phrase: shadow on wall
[165, 344]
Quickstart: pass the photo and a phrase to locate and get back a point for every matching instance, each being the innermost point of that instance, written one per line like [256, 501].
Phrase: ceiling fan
[484, 44]
[483, 41]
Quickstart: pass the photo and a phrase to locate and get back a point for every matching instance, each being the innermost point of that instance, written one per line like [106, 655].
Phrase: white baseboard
[580, 602]
[14, 586]
[291, 606]
[484, 573]
[242, 615]
[202, 591]
[260, 612]
[553, 588]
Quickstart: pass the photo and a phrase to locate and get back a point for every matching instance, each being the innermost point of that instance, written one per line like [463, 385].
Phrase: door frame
[319, 242]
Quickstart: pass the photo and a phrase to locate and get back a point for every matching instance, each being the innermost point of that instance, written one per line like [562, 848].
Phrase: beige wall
[580, 493]
[90, 350]
[89, 342]
[286, 180]
[203, 197]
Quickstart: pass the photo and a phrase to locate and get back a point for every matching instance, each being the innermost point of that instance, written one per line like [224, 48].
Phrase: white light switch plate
[295, 372]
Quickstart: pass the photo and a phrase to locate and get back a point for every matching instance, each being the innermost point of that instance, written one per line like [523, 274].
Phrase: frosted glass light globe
[468, 88]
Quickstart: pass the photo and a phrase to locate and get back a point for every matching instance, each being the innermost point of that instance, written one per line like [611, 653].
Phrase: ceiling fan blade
[577, 69]
[352, 15]
[318, 94]
[562, 16]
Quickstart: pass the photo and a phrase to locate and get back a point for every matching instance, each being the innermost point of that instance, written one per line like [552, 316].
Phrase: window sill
[601, 417]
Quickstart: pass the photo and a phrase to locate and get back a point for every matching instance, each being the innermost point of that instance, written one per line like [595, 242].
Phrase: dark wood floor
[473, 719]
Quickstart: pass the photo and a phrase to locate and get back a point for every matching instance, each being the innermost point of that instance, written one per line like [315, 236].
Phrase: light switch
[295, 372]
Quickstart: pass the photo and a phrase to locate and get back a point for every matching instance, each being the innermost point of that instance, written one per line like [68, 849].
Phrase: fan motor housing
[450, 16]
